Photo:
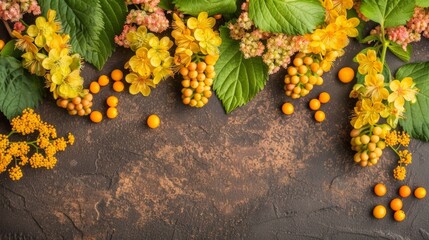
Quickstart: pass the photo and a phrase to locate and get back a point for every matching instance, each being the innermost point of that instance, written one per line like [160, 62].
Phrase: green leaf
[400, 52]
[422, 3]
[194, 7]
[369, 38]
[389, 13]
[10, 50]
[293, 17]
[238, 79]
[83, 21]
[18, 88]
[166, 4]
[416, 118]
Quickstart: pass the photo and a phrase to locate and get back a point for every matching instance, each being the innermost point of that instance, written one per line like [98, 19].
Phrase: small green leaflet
[18, 88]
[400, 52]
[292, 17]
[422, 3]
[10, 50]
[416, 118]
[166, 4]
[194, 7]
[389, 13]
[238, 79]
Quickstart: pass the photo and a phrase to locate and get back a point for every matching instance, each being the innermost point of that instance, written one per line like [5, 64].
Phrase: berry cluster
[302, 77]
[369, 143]
[80, 106]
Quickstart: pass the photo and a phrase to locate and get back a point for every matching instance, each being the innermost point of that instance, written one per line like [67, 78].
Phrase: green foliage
[194, 7]
[10, 50]
[361, 27]
[166, 4]
[422, 3]
[91, 24]
[416, 118]
[404, 55]
[18, 88]
[293, 17]
[238, 79]
[389, 13]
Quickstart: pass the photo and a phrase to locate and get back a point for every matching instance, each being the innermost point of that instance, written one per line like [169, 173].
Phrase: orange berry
[1, 44]
[287, 108]
[379, 211]
[153, 121]
[112, 112]
[346, 74]
[192, 66]
[324, 97]
[319, 116]
[103, 80]
[201, 66]
[420, 192]
[396, 204]
[96, 116]
[112, 101]
[94, 87]
[117, 75]
[314, 104]
[399, 216]
[217, 16]
[118, 86]
[380, 189]
[210, 59]
[404, 191]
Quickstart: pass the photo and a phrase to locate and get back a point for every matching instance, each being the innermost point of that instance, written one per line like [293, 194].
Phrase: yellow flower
[59, 41]
[202, 22]
[15, 173]
[71, 86]
[405, 157]
[33, 63]
[44, 29]
[368, 63]
[403, 90]
[404, 139]
[375, 87]
[209, 41]
[391, 138]
[326, 39]
[178, 24]
[358, 90]
[336, 8]
[348, 25]
[70, 139]
[139, 84]
[140, 63]
[393, 114]
[58, 62]
[183, 57]
[159, 50]
[140, 38]
[399, 173]
[184, 39]
[25, 43]
[367, 113]
[163, 71]
[28, 122]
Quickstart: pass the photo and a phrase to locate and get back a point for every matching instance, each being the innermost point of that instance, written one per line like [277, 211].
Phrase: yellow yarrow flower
[15, 173]
[405, 157]
[203, 21]
[368, 63]
[400, 173]
[375, 87]
[139, 84]
[402, 91]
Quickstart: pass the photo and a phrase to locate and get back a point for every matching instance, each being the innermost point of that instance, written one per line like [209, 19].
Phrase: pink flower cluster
[147, 3]
[275, 49]
[121, 40]
[13, 10]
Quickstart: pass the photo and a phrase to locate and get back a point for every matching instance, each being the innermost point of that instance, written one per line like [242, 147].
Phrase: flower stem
[23, 22]
[10, 134]
[9, 30]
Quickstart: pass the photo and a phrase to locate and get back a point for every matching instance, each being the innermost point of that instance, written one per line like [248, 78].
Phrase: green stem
[23, 22]
[395, 150]
[9, 30]
[385, 44]
[10, 134]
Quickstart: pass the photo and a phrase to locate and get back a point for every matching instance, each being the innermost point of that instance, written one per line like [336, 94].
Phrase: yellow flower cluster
[194, 39]
[336, 8]
[45, 146]
[152, 62]
[400, 173]
[405, 157]
[48, 54]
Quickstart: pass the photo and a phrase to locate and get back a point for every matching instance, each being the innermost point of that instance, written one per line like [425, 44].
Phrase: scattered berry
[287, 108]
[96, 116]
[404, 191]
[396, 204]
[379, 211]
[103, 80]
[324, 97]
[117, 75]
[94, 87]
[118, 86]
[112, 101]
[153, 121]
[314, 104]
[420, 192]
[112, 112]
[380, 189]
[399, 216]
[319, 116]
[1, 44]
[346, 74]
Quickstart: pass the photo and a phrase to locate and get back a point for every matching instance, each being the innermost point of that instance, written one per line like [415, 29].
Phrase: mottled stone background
[253, 174]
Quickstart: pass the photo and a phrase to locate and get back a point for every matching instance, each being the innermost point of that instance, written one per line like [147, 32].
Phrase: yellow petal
[131, 77]
[407, 82]
[134, 89]
[394, 85]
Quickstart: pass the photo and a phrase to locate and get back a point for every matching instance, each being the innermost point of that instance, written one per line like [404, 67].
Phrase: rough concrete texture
[253, 174]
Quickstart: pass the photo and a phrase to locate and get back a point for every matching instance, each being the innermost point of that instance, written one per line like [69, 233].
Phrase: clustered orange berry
[316, 103]
[396, 204]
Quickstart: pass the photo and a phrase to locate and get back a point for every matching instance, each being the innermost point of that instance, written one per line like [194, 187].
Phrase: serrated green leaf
[389, 13]
[293, 17]
[238, 79]
[416, 117]
[166, 4]
[83, 21]
[10, 50]
[397, 50]
[18, 88]
[194, 7]
[422, 3]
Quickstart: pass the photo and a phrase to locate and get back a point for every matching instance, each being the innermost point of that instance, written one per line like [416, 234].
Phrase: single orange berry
[112, 101]
[112, 112]
[379, 211]
[153, 121]
[117, 75]
[319, 116]
[94, 87]
[396, 204]
[324, 97]
[287, 108]
[314, 104]
[96, 116]
[399, 216]
[210, 59]
[420, 192]
[1, 44]
[217, 16]
[118, 86]
[103, 80]
[404, 191]
[346, 74]
[380, 189]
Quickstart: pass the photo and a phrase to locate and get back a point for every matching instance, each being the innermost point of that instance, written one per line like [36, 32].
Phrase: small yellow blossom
[43, 29]
[58, 62]
[402, 91]
[405, 157]
[163, 71]
[59, 41]
[375, 87]
[15, 173]
[33, 63]
[140, 63]
[183, 57]
[184, 39]
[367, 113]
[159, 50]
[348, 26]
[368, 63]
[208, 40]
[70, 139]
[27, 123]
[139, 84]
[392, 138]
[404, 139]
[202, 22]
[140, 38]
[400, 173]
[25, 43]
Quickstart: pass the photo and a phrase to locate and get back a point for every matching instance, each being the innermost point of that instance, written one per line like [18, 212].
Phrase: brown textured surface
[253, 174]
